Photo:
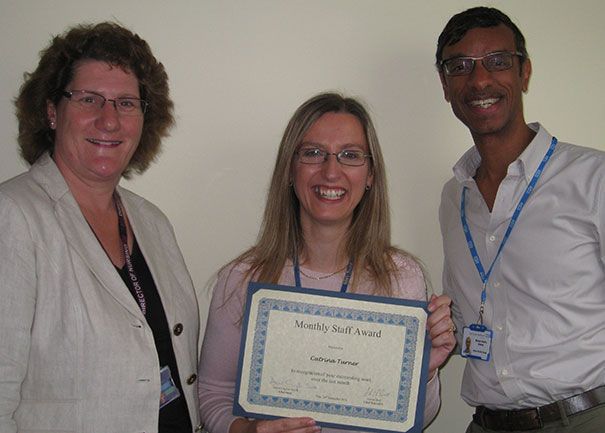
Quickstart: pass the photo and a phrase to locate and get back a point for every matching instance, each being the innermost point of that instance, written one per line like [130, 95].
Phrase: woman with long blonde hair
[326, 225]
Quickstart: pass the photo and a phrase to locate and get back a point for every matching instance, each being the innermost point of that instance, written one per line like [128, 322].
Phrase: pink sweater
[219, 357]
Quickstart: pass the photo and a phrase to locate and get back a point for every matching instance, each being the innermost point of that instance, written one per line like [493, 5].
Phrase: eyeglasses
[91, 101]
[492, 62]
[314, 156]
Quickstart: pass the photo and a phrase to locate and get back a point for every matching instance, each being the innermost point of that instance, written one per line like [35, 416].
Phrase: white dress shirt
[546, 293]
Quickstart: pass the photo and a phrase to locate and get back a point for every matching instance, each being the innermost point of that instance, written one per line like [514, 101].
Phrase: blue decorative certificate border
[266, 305]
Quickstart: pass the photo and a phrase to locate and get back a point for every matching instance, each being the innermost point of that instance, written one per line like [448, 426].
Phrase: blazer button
[178, 329]
[191, 379]
[199, 427]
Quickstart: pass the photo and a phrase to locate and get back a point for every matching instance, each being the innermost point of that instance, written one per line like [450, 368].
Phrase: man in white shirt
[524, 241]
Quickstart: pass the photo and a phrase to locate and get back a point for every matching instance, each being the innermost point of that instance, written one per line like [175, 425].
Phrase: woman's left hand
[441, 331]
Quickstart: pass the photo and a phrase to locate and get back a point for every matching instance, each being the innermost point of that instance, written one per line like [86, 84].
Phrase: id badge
[169, 390]
[476, 342]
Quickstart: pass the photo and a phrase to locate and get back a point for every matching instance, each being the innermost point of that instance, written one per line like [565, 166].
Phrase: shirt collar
[525, 165]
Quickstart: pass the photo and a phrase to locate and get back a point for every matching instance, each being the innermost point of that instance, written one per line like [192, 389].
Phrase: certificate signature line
[289, 384]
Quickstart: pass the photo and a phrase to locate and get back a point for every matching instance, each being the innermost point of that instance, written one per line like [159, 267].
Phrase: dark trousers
[589, 421]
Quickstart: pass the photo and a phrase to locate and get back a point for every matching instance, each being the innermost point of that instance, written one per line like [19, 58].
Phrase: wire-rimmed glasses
[91, 101]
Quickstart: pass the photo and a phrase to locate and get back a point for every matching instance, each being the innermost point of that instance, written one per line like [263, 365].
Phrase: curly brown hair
[108, 42]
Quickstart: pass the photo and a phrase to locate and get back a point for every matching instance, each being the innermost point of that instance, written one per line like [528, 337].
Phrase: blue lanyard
[469, 239]
[345, 280]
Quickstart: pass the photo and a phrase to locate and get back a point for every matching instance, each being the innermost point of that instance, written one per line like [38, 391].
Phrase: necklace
[324, 276]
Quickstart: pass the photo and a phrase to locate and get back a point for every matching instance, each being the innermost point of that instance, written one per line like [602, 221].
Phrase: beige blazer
[76, 354]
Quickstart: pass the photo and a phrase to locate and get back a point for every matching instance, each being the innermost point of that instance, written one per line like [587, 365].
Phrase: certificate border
[267, 304]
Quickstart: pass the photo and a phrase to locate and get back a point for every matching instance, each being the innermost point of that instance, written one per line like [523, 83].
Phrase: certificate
[347, 360]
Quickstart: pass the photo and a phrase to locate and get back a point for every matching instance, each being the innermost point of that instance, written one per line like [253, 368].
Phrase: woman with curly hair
[98, 319]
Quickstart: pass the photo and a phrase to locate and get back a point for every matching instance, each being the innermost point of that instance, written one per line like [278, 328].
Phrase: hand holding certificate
[334, 356]
[346, 360]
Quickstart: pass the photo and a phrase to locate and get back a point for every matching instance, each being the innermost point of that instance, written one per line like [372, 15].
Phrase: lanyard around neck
[469, 239]
[139, 294]
[345, 280]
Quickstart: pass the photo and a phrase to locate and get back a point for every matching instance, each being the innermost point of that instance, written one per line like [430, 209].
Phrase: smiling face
[487, 102]
[329, 192]
[94, 148]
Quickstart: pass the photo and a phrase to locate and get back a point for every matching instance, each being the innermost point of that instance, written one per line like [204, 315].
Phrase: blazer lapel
[150, 244]
[81, 237]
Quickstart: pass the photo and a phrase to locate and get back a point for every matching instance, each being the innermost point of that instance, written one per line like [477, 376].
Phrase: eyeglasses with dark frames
[91, 102]
[315, 156]
[492, 62]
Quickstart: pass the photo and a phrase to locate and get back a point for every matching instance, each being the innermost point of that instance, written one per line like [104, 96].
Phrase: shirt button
[178, 329]
[191, 379]
[492, 238]
[504, 372]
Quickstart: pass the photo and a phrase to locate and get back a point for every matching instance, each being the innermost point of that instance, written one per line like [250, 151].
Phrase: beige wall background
[239, 69]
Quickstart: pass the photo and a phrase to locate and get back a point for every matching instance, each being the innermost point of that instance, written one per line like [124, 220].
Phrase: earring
[368, 187]
[52, 123]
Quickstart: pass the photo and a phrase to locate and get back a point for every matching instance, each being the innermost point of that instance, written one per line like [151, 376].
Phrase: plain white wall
[239, 69]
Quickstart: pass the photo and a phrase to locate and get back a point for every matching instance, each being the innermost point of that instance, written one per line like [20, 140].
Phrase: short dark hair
[107, 42]
[481, 16]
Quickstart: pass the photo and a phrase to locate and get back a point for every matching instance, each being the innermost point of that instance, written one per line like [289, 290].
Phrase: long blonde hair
[369, 236]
